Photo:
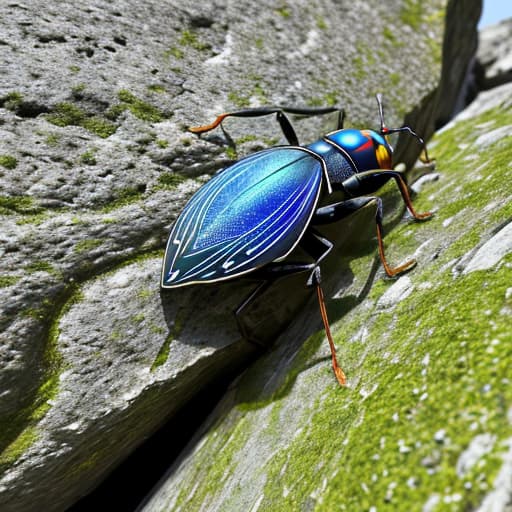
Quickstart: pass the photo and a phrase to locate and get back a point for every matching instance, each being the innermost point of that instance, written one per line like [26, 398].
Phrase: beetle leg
[238, 312]
[358, 184]
[319, 247]
[268, 274]
[284, 122]
[338, 372]
[337, 211]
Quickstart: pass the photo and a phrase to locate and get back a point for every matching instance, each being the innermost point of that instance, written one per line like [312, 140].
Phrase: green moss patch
[8, 161]
[66, 114]
[23, 205]
[163, 353]
[124, 197]
[6, 281]
[170, 180]
[19, 431]
[139, 108]
[87, 245]
[435, 389]
[88, 158]
[12, 101]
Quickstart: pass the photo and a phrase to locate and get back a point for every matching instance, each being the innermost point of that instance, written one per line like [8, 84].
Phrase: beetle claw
[401, 269]
[315, 278]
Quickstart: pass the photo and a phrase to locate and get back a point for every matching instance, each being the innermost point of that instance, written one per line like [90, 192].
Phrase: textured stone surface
[494, 54]
[95, 163]
[425, 422]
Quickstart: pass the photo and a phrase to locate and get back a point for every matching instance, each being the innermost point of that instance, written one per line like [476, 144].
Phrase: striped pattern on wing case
[252, 213]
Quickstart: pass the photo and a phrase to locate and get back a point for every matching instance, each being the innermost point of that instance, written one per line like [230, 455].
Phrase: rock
[96, 162]
[400, 290]
[501, 496]
[478, 448]
[287, 437]
[493, 250]
[494, 56]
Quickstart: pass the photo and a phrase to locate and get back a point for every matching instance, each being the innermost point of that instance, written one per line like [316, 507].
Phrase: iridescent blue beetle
[251, 216]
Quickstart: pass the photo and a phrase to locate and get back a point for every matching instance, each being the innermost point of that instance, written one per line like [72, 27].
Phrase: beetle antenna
[409, 130]
[383, 128]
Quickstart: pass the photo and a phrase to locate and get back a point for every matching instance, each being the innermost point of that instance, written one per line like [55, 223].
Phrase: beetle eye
[383, 155]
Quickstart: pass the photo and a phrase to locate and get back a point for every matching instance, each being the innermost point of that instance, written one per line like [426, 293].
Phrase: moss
[231, 153]
[87, 245]
[41, 266]
[33, 219]
[170, 180]
[145, 294]
[283, 11]
[331, 98]
[41, 312]
[390, 36]
[124, 197]
[12, 101]
[191, 39]
[163, 353]
[156, 88]
[18, 447]
[6, 281]
[246, 138]
[175, 52]
[238, 100]
[52, 139]
[162, 143]
[412, 402]
[394, 79]
[24, 205]
[258, 92]
[411, 13]
[218, 468]
[88, 158]
[138, 318]
[78, 90]
[19, 431]
[8, 161]
[320, 22]
[99, 126]
[66, 114]
[139, 108]
[74, 69]
[115, 336]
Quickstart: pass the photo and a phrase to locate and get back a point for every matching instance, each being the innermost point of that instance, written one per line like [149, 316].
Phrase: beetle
[250, 216]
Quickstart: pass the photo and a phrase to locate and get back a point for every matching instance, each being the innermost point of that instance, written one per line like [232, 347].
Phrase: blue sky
[494, 11]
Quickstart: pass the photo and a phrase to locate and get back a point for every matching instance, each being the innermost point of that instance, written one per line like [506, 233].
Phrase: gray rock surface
[96, 162]
[494, 54]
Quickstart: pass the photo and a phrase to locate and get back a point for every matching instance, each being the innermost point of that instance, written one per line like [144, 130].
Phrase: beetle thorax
[366, 149]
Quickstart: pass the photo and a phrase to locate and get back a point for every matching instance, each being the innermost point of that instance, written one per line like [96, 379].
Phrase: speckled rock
[95, 163]
[494, 56]
[425, 421]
